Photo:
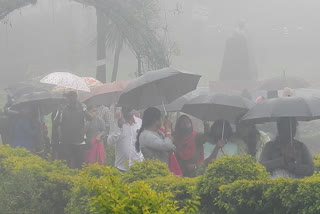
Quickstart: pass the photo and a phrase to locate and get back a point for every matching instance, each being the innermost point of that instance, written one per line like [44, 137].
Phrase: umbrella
[21, 88]
[301, 108]
[178, 104]
[91, 82]
[279, 83]
[158, 87]
[218, 106]
[45, 101]
[106, 94]
[67, 80]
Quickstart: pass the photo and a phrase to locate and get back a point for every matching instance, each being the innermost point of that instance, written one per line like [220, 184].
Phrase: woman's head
[152, 118]
[184, 126]
[221, 129]
[92, 110]
[287, 128]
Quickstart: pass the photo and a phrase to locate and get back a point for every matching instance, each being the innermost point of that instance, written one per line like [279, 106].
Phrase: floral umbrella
[91, 82]
[67, 80]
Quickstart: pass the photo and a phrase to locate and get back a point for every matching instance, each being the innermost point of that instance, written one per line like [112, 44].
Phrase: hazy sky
[60, 34]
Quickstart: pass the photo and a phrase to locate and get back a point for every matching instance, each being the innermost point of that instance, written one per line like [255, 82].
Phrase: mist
[54, 34]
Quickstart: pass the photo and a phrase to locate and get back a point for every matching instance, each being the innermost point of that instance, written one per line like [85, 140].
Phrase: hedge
[271, 196]
[226, 170]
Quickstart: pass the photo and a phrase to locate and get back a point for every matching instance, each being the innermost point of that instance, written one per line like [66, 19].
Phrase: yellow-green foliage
[100, 190]
[33, 184]
[183, 190]
[316, 160]
[271, 196]
[146, 170]
[225, 170]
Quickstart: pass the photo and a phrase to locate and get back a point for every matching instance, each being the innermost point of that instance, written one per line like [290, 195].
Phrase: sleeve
[268, 162]
[306, 167]
[114, 138]
[158, 144]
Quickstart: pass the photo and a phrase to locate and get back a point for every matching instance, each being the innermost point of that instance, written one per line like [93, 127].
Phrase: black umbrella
[301, 108]
[211, 107]
[178, 104]
[158, 87]
[45, 101]
[18, 89]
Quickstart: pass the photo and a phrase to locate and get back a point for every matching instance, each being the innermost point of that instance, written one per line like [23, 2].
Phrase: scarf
[186, 147]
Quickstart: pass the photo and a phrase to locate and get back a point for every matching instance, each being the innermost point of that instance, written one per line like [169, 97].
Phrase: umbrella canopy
[279, 83]
[158, 87]
[301, 108]
[91, 82]
[67, 80]
[106, 94]
[178, 104]
[45, 101]
[211, 107]
[21, 88]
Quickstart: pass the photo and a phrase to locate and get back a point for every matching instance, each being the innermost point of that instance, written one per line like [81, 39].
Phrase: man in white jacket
[124, 140]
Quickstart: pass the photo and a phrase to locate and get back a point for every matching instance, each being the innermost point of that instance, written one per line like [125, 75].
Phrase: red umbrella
[106, 94]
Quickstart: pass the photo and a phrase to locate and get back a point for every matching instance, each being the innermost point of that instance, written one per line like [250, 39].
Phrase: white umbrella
[67, 80]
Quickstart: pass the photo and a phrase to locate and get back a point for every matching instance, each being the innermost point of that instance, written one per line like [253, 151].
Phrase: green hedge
[226, 170]
[183, 190]
[316, 160]
[271, 196]
[145, 170]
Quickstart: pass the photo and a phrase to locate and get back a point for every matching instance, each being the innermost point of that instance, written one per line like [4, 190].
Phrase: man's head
[287, 128]
[127, 113]
[72, 97]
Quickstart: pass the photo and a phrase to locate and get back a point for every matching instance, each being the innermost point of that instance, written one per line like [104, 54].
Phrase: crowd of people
[80, 133]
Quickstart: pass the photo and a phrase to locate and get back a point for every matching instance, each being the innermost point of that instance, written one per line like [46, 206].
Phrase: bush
[146, 170]
[316, 160]
[226, 170]
[271, 196]
[49, 183]
[107, 194]
[183, 190]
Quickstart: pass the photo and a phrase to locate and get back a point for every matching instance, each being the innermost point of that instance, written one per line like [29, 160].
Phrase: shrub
[316, 160]
[53, 180]
[226, 170]
[182, 189]
[145, 170]
[107, 194]
[271, 196]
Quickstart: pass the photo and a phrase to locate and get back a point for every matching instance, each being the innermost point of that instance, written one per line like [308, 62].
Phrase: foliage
[147, 169]
[7, 6]
[183, 190]
[29, 177]
[316, 161]
[225, 170]
[271, 196]
[110, 154]
[100, 190]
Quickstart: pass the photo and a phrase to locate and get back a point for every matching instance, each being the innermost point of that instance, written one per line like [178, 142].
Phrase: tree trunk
[101, 48]
[116, 61]
[139, 65]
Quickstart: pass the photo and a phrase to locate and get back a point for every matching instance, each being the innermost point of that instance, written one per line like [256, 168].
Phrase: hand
[99, 137]
[167, 124]
[221, 143]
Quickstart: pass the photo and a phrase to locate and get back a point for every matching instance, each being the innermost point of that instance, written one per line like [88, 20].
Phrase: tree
[131, 23]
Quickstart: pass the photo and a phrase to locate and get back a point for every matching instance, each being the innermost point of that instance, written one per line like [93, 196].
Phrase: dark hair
[283, 126]
[252, 140]
[177, 128]
[216, 130]
[150, 116]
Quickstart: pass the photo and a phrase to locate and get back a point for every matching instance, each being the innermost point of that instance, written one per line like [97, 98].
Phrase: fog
[57, 34]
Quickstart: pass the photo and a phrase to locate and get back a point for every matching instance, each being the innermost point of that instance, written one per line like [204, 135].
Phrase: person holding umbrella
[151, 141]
[285, 156]
[220, 133]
